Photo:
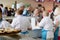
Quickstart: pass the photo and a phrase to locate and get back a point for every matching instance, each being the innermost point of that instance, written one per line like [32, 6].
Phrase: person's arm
[56, 23]
[14, 22]
[6, 24]
[42, 23]
[29, 24]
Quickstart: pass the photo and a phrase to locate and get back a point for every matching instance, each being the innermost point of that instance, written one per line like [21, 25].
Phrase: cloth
[4, 24]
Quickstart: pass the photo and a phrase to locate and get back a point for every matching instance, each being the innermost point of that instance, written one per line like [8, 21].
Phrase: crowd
[48, 22]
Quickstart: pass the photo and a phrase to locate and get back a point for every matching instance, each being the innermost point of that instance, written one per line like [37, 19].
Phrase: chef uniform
[47, 31]
[57, 22]
[21, 23]
[4, 24]
[57, 33]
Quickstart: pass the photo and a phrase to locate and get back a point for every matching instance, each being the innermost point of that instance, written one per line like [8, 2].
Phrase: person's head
[1, 5]
[39, 5]
[45, 13]
[43, 8]
[36, 12]
[20, 6]
[0, 13]
[19, 12]
[6, 8]
[29, 7]
[55, 7]
[57, 11]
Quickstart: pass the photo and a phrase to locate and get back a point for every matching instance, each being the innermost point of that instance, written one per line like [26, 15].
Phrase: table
[10, 36]
[10, 33]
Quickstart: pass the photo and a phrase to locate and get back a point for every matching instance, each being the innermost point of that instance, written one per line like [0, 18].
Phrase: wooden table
[11, 35]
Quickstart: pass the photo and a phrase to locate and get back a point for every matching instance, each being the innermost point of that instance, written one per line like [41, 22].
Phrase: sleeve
[6, 24]
[18, 27]
[29, 24]
[14, 22]
[42, 23]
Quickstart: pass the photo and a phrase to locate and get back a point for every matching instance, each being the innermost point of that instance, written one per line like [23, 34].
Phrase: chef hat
[57, 11]
[20, 5]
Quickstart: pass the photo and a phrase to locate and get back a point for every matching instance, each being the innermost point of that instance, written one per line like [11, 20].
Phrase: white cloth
[21, 23]
[46, 23]
[57, 18]
[50, 34]
[4, 24]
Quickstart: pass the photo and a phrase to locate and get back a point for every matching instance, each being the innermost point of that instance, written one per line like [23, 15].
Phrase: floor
[29, 38]
[19, 37]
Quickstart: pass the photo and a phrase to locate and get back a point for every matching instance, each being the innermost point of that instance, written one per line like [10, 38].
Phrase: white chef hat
[57, 11]
[20, 5]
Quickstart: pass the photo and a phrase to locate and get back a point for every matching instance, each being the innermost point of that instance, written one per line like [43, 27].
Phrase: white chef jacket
[4, 24]
[57, 18]
[47, 24]
[21, 23]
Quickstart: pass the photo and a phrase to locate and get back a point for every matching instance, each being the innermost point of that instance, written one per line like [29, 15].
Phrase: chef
[3, 23]
[20, 22]
[20, 6]
[47, 27]
[57, 23]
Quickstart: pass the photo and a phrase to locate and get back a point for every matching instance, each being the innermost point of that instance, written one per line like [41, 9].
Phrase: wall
[48, 4]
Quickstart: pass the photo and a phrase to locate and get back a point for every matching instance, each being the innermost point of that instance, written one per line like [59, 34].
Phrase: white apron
[50, 34]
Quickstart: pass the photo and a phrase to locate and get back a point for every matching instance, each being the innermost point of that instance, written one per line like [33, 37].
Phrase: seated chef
[3, 23]
[20, 22]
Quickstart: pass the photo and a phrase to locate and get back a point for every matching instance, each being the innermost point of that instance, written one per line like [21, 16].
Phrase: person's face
[36, 12]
